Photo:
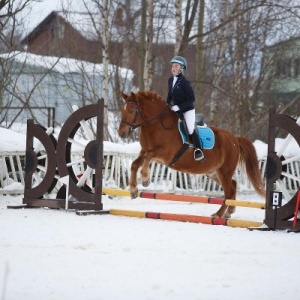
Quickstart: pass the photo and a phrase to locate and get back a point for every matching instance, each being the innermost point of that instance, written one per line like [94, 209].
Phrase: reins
[138, 111]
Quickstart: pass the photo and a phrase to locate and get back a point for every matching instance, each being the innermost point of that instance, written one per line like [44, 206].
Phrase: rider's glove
[175, 108]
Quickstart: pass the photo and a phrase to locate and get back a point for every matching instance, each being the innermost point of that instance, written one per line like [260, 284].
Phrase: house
[56, 36]
[282, 77]
[37, 85]
[75, 35]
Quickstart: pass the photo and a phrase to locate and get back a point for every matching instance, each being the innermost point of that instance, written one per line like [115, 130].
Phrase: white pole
[66, 181]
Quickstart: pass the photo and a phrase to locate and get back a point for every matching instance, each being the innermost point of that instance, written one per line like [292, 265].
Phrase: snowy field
[52, 254]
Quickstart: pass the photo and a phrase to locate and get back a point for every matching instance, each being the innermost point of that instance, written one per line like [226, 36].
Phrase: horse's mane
[150, 96]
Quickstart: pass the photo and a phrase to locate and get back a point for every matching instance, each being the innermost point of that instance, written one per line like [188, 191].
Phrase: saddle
[206, 135]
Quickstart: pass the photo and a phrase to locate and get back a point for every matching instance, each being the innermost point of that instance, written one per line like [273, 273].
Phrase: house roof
[88, 25]
[83, 23]
[63, 65]
[40, 27]
[289, 41]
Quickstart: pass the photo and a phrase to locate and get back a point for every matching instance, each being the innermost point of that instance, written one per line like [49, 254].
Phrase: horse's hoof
[146, 183]
[227, 215]
[215, 215]
[134, 194]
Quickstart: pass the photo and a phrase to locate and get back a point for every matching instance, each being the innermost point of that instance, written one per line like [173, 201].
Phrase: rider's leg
[198, 154]
[189, 117]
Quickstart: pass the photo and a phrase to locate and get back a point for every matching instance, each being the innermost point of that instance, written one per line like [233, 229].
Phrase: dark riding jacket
[182, 94]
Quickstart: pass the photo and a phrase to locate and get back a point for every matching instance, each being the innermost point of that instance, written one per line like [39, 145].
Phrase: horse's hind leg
[231, 209]
[133, 174]
[229, 187]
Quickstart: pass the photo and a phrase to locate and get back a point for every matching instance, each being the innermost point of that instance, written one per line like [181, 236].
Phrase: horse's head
[140, 109]
[130, 115]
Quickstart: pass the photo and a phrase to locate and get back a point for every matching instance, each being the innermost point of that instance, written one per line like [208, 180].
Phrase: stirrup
[198, 155]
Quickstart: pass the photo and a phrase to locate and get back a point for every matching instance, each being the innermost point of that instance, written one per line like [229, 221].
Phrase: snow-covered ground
[53, 254]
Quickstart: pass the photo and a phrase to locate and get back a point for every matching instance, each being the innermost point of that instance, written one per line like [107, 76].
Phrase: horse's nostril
[123, 134]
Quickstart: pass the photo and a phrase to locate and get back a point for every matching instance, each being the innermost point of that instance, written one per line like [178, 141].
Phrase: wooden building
[75, 35]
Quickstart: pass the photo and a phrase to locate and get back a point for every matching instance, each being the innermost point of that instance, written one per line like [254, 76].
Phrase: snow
[53, 254]
[64, 65]
[18, 142]
[12, 141]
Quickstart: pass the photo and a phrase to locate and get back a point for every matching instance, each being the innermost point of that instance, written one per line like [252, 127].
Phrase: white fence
[116, 171]
[11, 172]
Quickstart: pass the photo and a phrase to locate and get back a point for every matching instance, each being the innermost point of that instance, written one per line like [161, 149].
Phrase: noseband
[138, 111]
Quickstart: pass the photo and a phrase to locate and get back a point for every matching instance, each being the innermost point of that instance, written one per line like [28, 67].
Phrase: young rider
[181, 97]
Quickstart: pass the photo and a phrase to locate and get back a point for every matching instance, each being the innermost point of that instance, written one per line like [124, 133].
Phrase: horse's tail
[249, 162]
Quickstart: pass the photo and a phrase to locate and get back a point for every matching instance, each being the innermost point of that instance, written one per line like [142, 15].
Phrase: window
[58, 30]
[283, 68]
[297, 67]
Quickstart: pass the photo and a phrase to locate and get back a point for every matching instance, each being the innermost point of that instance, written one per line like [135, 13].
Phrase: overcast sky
[36, 12]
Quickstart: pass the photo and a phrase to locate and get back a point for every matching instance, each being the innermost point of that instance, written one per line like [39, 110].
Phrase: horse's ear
[124, 96]
[133, 96]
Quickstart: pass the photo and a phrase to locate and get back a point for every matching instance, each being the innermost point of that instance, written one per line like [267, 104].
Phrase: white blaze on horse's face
[127, 124]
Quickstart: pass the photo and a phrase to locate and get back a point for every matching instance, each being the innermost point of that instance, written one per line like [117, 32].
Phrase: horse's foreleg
[145, 168]
[133, 174]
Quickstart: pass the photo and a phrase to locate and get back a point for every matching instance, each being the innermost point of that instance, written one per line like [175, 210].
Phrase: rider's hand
[175, 108]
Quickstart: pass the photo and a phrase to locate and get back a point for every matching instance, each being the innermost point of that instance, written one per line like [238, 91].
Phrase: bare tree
[191, 9]
[233, 41]
[142, 50]
[104, 10]
[222, 41]
[16, 75]
[237, 78]
[148, 71]
[10, 30]
[178, 19]
[230, 39]
[102, 28]
[200, 60]
[10, 25]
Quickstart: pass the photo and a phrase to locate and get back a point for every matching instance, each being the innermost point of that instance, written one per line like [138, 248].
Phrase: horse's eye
[131, 111]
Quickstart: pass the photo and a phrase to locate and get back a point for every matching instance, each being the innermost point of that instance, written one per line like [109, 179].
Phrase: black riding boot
[198, 154]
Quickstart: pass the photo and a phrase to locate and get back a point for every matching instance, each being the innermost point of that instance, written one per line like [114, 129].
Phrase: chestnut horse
[160, 141]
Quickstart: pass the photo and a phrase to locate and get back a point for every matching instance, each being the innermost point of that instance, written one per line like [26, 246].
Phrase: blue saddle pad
[206, 135]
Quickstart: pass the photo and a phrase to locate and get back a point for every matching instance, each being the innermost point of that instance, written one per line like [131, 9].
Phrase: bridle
[138, 111]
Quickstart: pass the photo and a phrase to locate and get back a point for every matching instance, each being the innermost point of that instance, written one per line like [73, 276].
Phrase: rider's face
[175, 69]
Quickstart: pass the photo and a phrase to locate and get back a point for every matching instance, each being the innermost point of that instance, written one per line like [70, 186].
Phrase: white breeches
[189, 117]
